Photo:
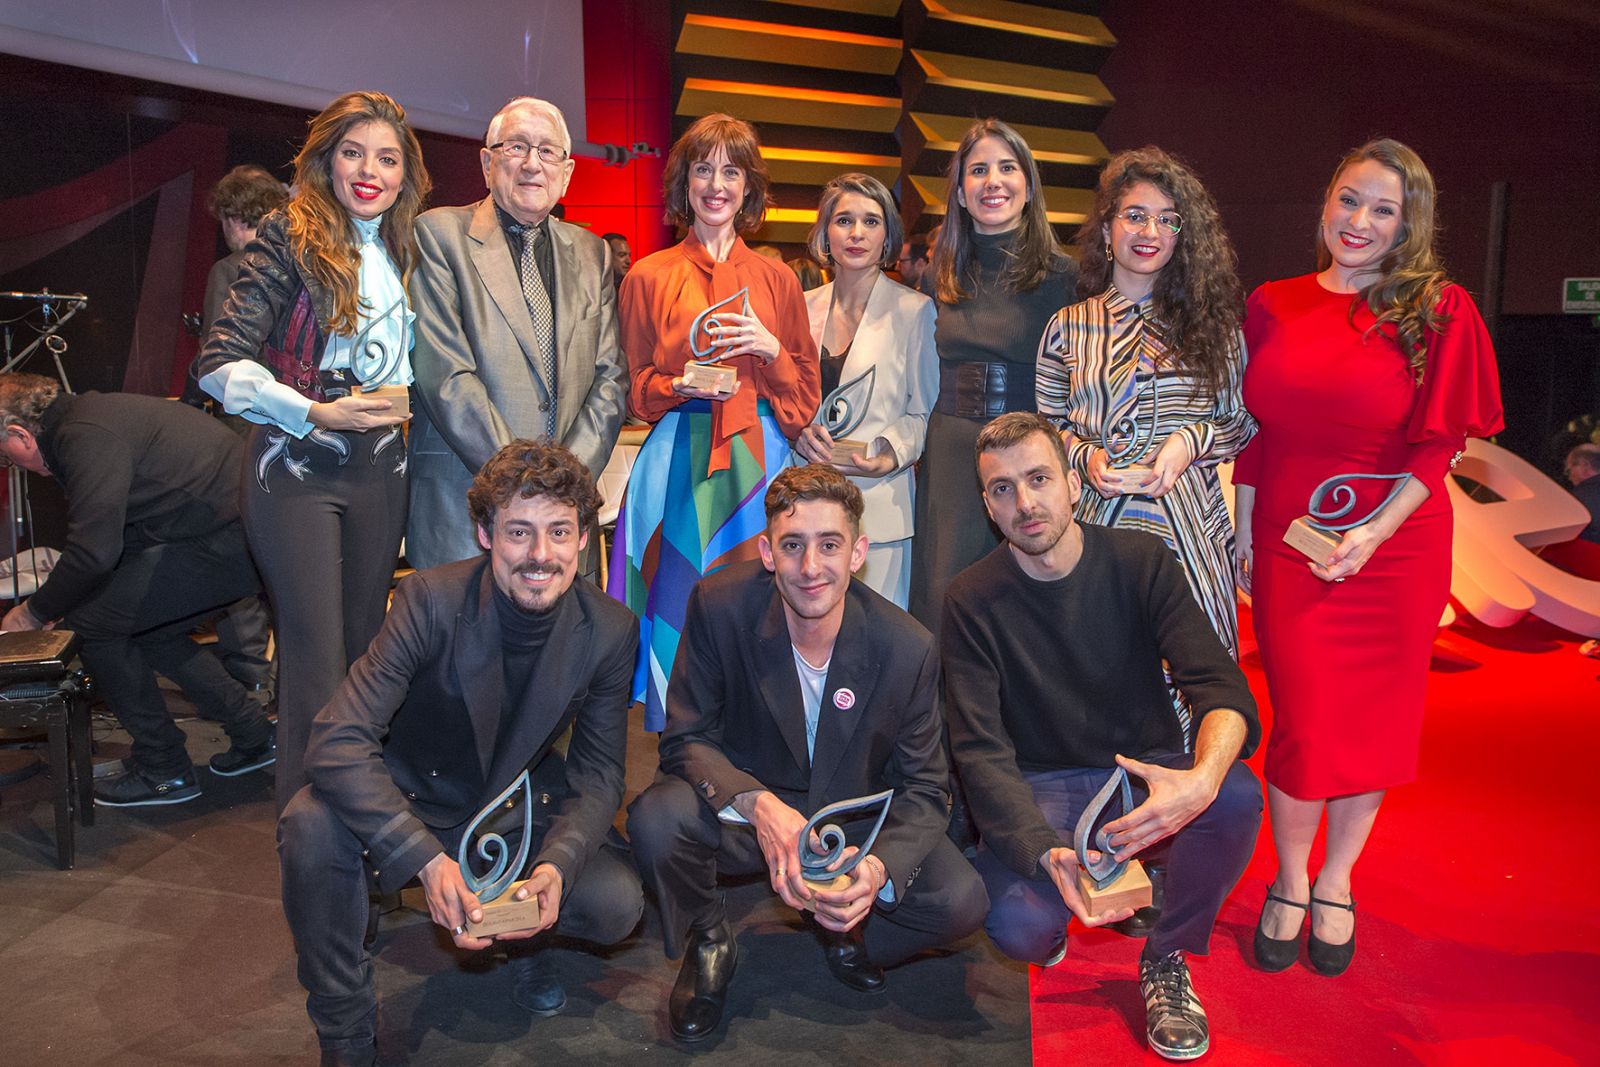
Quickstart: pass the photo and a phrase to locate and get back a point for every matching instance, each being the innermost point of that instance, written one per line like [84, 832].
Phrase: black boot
[535, 986]
[847, 959]
[694, 1010]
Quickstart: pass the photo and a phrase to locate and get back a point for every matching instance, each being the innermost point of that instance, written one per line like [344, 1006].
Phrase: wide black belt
[984, 390]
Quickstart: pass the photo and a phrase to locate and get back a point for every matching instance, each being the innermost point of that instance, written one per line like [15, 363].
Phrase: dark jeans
[138, 624]
[325, 899]
[1205, 859]
[681, 847]
[327, 542]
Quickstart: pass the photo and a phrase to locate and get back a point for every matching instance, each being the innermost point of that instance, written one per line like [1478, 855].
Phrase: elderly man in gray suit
[516, 330]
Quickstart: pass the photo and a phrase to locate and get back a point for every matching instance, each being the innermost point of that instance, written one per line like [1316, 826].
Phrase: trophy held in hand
[705, 369]
[495, 888]
[816, 865]
[1107, 884]
[1316, 534]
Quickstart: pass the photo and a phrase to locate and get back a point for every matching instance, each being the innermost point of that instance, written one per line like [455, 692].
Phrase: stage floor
[1478, 940]
[167, 945]
[1478, 933]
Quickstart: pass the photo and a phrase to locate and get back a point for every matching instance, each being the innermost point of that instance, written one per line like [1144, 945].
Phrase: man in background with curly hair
[480, 668]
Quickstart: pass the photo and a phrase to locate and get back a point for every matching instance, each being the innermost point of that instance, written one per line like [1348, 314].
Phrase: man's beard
[543, 606]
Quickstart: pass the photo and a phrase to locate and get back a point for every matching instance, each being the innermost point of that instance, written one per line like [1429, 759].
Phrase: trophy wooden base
[399, 397]
[710, 376]
[1316, 545]
[505, 914]
[832, 885]
[1130, 890]
[843, 450]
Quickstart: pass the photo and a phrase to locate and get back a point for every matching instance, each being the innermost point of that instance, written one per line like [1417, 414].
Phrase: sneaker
[238, 760]
[1057, 956]
[1175, 1022]
[135, 789]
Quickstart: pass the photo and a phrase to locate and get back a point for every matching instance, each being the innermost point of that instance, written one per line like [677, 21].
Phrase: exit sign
[1580, 296]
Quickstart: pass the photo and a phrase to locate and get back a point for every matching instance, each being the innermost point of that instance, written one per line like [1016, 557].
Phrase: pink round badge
[844, 700]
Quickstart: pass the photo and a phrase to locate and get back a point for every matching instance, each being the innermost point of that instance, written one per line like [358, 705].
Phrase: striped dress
[1098, 377]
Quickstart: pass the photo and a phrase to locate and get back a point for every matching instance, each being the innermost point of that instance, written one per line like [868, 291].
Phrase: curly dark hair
[526, 469]
[817, 481]
[23, 398]
[738, 139]
[246, 193]
[1197, 296]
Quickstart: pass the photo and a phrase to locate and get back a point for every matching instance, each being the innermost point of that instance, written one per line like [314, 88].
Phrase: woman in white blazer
[880, 373]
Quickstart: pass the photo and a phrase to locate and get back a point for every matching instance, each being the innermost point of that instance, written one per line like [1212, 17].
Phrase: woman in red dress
[1376, 364]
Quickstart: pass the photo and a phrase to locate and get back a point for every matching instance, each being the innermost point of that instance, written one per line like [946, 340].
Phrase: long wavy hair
[1034, 251]
[738, 140]
[1405, 296]
[320, 233]
[1197, 296]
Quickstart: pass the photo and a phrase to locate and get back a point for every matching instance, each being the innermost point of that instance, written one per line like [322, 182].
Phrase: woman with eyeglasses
[880, 371]
[1143, 376]
[319, 314]
[999, 276]
[1367, 378]
[694, 498]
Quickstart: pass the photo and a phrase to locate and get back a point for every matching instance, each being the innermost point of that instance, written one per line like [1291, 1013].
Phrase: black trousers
[243, 636]
[325, 899]
[681, 847]
[138, 624]
[325, 516]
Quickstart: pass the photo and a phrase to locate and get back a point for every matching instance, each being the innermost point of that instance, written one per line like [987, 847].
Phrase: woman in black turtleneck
[999, 276]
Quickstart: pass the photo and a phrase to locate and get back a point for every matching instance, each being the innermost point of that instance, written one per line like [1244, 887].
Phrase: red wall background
[1264, 97]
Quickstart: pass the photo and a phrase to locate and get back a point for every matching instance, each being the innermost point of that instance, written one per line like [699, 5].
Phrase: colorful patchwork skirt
[677, 523]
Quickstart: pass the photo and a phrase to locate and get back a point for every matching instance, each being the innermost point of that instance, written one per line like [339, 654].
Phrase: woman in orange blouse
[694, 500]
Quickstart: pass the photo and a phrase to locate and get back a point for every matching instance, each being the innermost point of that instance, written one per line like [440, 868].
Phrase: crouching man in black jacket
[154, 543]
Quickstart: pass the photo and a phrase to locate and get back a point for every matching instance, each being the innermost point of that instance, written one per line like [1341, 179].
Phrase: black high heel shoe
[1275, 954]
[1332, 960]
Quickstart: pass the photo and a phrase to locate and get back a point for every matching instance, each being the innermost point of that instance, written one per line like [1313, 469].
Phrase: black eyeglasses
[548, 153]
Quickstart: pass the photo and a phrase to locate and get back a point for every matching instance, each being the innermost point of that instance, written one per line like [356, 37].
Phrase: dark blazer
[736, 721]
[480, 376]
[412, 739]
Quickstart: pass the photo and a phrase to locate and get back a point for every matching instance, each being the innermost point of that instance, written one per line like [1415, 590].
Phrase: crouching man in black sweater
[1052, 648]
[154, 543]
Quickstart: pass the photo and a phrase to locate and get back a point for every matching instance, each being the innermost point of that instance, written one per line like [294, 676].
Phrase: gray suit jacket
[479, 379]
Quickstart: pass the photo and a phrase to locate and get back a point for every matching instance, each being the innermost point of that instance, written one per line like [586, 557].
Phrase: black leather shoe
[350, 1057]
[1274, 954]
[847, 959]
[694, 1010]
[535, 986]
[135, 789]
[1331, 960]
[1142, 923]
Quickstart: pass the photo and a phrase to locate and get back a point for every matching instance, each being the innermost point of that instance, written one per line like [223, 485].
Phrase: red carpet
[1478, 934]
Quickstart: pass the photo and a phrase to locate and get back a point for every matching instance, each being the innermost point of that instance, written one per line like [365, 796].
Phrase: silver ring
[459, 930]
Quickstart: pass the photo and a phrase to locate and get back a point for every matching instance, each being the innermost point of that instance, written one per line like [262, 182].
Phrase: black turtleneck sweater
[522, 638]
[994, 324]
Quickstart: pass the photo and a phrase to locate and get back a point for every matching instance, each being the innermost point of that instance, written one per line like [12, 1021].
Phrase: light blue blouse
[378, 354]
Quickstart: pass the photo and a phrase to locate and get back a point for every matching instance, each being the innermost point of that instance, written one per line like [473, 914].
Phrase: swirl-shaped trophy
[1107, 883]
[843, 411]
[1130, 439]
[816, 865]
[1315, 534]
[705, 369]
[373, 364]
[496, 886]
